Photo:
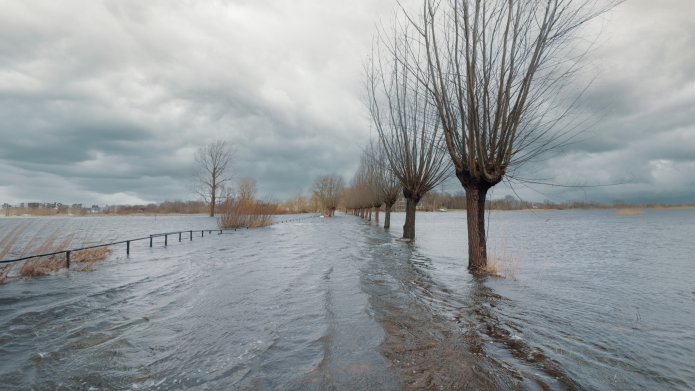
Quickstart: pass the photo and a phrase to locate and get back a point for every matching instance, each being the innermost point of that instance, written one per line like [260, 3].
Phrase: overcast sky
[107, 101]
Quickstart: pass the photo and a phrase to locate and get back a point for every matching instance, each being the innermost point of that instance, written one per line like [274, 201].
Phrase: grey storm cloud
[639, 142]
[107, 101]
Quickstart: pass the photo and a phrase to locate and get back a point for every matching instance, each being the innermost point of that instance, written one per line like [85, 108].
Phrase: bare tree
[494, 69]
[405, 118]
[213, 171]
[391, 188]
[384, 183]
[327, 190]
[365, 195]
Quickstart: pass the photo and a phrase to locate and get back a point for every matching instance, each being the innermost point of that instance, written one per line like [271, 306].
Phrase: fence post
[150, 240]
[191, 234]
[127, 248]
[179, 236]
[166, 239]
[67, 259]
[202, 234]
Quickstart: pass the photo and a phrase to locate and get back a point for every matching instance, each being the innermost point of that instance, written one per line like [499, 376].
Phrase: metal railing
[151, 238]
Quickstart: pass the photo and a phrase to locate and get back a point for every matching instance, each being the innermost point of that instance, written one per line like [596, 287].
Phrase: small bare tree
[213, 171]
[327, 190]
[405, 119]
[495, 69]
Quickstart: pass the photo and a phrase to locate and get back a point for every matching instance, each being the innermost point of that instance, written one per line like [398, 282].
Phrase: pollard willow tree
[385, 182]
[404, 116]
[495, 70]
[363, 194]
[373, 185]
[327, 190]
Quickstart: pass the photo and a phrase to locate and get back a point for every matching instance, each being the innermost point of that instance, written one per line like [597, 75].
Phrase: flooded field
[591, 300]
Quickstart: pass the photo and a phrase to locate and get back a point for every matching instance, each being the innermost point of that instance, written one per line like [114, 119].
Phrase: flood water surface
[591, 300]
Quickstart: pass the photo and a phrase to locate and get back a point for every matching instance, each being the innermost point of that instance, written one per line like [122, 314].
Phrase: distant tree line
[435, 201]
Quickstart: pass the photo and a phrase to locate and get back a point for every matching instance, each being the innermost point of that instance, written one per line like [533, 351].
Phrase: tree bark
[213, 200]
[411, 201]
[475, 213]
[409, 226]
[387, 216]
[376, 214]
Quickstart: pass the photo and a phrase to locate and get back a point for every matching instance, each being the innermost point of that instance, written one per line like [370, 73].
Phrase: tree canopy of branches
[494, 70]
[327, 190]
[385, 182]
[213, 171]
[404, 116]
[373, 185]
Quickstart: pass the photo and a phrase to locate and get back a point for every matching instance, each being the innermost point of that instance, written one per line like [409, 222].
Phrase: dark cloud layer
[107, 101]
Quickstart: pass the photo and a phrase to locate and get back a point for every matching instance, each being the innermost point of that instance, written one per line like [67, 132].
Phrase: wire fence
[151, 238]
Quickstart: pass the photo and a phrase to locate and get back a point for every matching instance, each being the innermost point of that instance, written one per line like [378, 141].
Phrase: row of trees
[379, 180]
[473, 87]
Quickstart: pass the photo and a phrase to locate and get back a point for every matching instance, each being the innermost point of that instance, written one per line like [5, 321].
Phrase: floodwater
[591, 301]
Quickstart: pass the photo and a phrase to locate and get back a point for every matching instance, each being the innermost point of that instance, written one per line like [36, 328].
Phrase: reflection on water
[599, 302]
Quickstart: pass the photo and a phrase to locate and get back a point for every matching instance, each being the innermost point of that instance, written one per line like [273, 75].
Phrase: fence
[150, 238]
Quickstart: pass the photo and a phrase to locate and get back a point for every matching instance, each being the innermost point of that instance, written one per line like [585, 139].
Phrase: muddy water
[594, 303]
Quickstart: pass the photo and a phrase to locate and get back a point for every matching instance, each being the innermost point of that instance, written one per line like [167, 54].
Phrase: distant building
[33, 205]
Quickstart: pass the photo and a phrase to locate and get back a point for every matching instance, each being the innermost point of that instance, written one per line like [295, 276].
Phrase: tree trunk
[212, 202]
[387, 216]
[475, 213]
[376, 214]
[409, 226]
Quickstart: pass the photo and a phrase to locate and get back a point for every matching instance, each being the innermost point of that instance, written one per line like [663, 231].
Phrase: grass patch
[82, 260]
[502, 266]
[4, 271]
[628, 212]
[501, 261]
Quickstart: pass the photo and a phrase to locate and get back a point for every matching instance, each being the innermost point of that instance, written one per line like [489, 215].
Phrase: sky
[106, 102]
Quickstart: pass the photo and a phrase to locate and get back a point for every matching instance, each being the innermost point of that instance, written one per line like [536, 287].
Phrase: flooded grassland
[590, 300]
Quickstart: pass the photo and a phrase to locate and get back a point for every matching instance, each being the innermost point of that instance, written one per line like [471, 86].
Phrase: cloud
[642, 103]
[107, 101]
[98, 95]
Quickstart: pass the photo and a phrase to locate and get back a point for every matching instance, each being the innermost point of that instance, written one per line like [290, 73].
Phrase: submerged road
[316, 304]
